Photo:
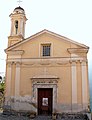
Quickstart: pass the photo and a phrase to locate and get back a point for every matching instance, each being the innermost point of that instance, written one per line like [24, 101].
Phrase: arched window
[16, 26]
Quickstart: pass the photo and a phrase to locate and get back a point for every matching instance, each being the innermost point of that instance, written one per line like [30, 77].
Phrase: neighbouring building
[45, 72]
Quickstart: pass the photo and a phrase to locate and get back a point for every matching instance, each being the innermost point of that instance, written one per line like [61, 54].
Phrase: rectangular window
[46, 50]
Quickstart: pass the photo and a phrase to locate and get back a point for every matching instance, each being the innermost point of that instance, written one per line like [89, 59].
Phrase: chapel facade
[45, 72]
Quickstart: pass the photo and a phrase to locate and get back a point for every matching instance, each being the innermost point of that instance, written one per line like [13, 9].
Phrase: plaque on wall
[45, 101]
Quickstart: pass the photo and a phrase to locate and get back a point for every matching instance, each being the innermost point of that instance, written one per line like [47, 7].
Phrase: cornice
[50, 33]
[77, 50]
[45, 77]
[15, 52]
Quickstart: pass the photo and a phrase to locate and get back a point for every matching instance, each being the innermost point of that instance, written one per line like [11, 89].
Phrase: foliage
[2, 86]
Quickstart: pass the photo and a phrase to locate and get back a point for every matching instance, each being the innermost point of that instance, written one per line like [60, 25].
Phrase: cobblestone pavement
[13, 117]
[6, 117]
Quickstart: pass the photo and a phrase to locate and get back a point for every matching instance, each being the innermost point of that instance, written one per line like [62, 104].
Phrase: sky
[69, 18]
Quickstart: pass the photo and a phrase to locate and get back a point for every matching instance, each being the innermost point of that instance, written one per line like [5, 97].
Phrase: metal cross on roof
[19, 1]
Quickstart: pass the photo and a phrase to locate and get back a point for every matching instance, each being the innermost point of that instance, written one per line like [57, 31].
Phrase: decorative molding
[45, 76]
[9, 63]
[83, 62]
[62, 62]
[44, 81]
[77, 50]
[45, 62]
[73, 62]
[35, 88]
[17, 64]
[50, 33]
[15, 52]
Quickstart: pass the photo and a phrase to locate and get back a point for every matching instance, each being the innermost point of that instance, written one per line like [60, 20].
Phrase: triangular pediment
[49, 33]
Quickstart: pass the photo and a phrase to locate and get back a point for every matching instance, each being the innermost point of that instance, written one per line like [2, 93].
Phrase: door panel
[45, 101]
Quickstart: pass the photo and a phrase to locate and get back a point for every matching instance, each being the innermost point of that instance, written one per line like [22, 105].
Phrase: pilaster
[17, 79]
[74, 84]
[84, 84]
[9, 78]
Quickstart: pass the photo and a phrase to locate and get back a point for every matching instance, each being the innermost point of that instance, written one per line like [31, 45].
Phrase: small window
[46, 50]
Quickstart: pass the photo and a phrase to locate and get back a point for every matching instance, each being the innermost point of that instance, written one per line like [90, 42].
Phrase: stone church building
[45, 72]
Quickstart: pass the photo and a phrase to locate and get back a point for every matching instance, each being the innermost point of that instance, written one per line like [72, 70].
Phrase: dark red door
[45, 101]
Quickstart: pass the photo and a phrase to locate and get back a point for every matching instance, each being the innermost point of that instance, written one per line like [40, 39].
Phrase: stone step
[43, 118]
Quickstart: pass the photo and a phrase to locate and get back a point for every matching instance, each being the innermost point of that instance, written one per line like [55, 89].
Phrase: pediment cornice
[50, 33]
[15, 52]
[77, 50]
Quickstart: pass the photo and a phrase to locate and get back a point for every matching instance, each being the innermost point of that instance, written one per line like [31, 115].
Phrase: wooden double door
[45, 100]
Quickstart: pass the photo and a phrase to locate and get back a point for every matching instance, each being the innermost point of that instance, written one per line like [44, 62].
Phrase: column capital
[9, 63]
[83, 62]
[73, 62]
[18, 64]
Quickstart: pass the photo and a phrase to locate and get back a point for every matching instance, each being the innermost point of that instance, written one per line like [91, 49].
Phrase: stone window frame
[43, 53]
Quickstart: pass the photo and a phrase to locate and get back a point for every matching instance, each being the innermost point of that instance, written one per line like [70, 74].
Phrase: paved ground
[13, 117]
